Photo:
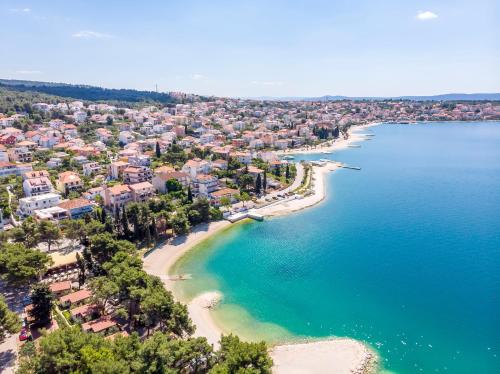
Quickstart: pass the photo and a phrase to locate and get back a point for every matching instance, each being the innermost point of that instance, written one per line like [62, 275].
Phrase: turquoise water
[404, 254]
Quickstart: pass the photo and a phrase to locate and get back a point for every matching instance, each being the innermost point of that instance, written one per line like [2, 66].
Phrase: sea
[403, 254]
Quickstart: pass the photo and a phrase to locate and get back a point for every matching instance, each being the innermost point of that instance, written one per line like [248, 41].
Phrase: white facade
[28, 205]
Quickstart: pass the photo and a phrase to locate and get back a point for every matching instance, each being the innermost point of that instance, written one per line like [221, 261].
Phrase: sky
[256, 48]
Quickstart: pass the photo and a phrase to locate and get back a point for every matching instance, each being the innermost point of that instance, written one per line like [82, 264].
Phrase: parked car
[24, 334]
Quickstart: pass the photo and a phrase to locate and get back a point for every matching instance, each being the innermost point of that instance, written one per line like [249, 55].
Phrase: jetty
[242, 215]
[350, 167]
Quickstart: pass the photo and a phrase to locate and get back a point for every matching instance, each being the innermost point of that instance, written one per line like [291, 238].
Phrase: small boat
[327, 152]
[288, 158]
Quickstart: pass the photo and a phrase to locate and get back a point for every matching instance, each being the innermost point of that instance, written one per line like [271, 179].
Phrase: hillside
[84, 92]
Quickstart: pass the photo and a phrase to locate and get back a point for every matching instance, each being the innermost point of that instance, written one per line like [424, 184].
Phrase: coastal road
[296, 182]
[8, 355]
[8, 348]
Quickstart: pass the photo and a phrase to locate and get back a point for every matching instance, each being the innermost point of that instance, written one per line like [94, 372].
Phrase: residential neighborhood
[88, 188]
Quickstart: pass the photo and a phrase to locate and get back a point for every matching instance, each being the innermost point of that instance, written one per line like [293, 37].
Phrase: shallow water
[404, 254]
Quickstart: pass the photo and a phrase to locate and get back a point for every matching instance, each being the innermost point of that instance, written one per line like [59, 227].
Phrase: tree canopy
[73, 351]
[20, 265]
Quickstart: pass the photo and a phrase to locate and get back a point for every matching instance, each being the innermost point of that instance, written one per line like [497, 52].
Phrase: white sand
[164, 257]
[339, 356]
[199, 311]
[319, 192]
[355, 135]
[325, 356]
[318, 176]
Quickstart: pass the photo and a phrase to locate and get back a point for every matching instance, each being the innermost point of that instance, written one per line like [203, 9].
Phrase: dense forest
[91, 93]
[12, 101]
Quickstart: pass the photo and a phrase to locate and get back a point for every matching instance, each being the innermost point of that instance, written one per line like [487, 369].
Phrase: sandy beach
[355, 135]
[339, 356]
[159, 261]
[330, 355]
[293, 205]
[318, 187]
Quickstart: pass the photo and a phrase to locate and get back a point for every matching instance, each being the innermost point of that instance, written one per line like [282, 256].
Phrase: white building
[91, 167]
[80, 116]
[196, 166]
[126, 137]
[28, 205]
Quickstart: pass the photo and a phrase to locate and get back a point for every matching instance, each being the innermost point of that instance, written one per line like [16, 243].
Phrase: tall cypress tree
[158, 151]
[258, 184]
[153, 229]
[264, 183]
[124, 219]
[190, 194]
[287, 172]
[103, 215]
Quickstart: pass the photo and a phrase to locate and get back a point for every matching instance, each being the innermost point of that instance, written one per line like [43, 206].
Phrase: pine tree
[158, 151]
[42, 300]
[258, 184]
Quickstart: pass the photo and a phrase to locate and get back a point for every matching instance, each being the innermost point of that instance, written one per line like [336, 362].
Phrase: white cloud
[426, 16]
[197, 77]
[21, 10]
[28, 72]
[267, 83]
[86, 34]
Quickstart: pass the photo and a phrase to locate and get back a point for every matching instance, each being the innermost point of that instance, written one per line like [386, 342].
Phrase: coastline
[340, 355]
[331, 146]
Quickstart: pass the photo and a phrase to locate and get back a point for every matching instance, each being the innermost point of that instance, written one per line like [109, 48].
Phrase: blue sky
[257, 48]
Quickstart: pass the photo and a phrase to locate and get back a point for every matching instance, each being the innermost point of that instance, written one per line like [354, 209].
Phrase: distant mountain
[84, 92]
[444, 97]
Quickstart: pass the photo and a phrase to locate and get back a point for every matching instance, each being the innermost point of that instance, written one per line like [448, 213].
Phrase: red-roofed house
[77, 207]
[74, 298]
[100, 325]
[142, 192]
[117, 196]
[68, 181]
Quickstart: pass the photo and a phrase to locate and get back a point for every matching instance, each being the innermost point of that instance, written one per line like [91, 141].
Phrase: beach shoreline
[331, 146]
[314, 356]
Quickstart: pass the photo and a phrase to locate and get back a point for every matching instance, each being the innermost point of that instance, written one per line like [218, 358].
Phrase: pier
[242, 215]
[350, 167]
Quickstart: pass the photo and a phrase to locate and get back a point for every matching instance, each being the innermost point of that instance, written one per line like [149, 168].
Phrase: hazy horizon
[255, 48]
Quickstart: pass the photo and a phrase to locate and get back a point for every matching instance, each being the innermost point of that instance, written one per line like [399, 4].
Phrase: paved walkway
[296, 182]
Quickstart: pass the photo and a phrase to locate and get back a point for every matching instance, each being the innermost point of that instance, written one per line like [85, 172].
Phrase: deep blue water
[404, 254]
